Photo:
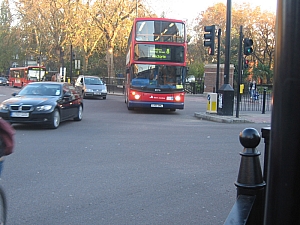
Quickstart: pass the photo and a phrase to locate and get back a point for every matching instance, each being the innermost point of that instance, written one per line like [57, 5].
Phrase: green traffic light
[248, 50]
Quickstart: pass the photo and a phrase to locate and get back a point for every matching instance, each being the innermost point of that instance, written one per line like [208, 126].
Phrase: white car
[190, 78]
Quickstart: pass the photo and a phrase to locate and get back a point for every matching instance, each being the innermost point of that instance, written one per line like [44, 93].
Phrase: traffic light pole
[238, 95]
[218, 61]
[228, 44]
[71, 63]
[40, 64]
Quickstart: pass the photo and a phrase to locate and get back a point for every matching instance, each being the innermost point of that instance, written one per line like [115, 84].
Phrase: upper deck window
[160, 31]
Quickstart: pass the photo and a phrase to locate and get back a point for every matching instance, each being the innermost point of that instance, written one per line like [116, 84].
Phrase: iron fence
[256, 103]
[196, 87]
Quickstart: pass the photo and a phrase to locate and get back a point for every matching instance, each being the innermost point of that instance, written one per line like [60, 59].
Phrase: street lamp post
[226, 92]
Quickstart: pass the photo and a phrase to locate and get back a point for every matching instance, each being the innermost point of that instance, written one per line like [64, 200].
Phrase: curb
[221, 119]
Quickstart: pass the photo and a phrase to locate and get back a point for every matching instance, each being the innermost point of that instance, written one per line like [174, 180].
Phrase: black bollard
[250, 181]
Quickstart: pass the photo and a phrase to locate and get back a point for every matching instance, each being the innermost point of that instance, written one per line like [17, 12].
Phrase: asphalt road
[124, 167]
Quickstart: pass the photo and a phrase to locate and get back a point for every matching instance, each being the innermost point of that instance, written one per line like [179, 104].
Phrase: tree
[111, 17]
[6, 39]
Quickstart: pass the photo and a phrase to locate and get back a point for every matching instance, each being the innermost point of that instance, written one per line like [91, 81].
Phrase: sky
[189, 9]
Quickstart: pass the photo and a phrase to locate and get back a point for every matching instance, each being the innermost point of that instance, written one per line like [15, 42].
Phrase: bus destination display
[160, 53]
[149, 52]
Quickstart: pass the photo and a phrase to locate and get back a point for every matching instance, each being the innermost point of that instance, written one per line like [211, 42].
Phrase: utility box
[211, 103]
[225, 100]
[242, 88]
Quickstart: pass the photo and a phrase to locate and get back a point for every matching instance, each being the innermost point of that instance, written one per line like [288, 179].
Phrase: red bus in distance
[21, 76]
[156, 64]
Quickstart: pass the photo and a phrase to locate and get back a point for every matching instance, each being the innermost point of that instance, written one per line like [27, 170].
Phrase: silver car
[92, 86]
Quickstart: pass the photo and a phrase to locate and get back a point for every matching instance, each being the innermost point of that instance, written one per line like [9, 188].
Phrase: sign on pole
[77, 64]
[63, 73]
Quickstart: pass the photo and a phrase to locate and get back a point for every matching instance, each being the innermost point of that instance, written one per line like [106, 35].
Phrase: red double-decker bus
[156, 64]
[21, 76]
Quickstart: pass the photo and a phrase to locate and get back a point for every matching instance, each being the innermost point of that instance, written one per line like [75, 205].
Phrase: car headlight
[3, 106]
[43, 108]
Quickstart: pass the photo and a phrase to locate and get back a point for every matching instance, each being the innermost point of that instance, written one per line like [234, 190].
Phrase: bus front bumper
[156, 105]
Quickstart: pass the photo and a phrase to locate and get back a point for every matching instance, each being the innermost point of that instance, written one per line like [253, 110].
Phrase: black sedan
[47, 103]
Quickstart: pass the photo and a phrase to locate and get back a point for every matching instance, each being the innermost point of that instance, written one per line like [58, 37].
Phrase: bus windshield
[35, 74]
[160, 31]
[151, 76]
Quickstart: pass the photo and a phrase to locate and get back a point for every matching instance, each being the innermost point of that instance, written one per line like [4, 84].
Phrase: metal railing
[262, 101]
[251, 182]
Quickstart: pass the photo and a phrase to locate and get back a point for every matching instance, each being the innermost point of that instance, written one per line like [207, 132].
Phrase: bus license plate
[19, 114]
[157, 105]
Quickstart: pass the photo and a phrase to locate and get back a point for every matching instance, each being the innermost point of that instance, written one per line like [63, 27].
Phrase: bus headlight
[177, 98]
[137, 96]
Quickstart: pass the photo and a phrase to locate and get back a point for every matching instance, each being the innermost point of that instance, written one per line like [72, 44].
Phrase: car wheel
[55, 119]
[104, 97]
[79, 114]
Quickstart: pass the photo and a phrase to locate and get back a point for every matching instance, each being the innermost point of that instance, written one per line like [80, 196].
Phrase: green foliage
[196, 69]
[6, 45]
[263, 72]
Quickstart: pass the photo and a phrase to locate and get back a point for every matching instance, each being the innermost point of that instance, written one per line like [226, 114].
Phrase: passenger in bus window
[153, 77]
[171, 79]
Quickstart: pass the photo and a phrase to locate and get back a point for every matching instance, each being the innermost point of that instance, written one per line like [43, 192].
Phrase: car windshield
[41, 90]
[93, 81]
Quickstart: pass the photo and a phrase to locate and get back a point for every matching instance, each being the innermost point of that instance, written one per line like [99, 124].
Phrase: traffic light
[248, 46]
[38, 60]
[73, 56]
[246, 63]
[209, 38]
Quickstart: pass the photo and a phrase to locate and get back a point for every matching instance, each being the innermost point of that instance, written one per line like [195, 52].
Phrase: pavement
[244, 117]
